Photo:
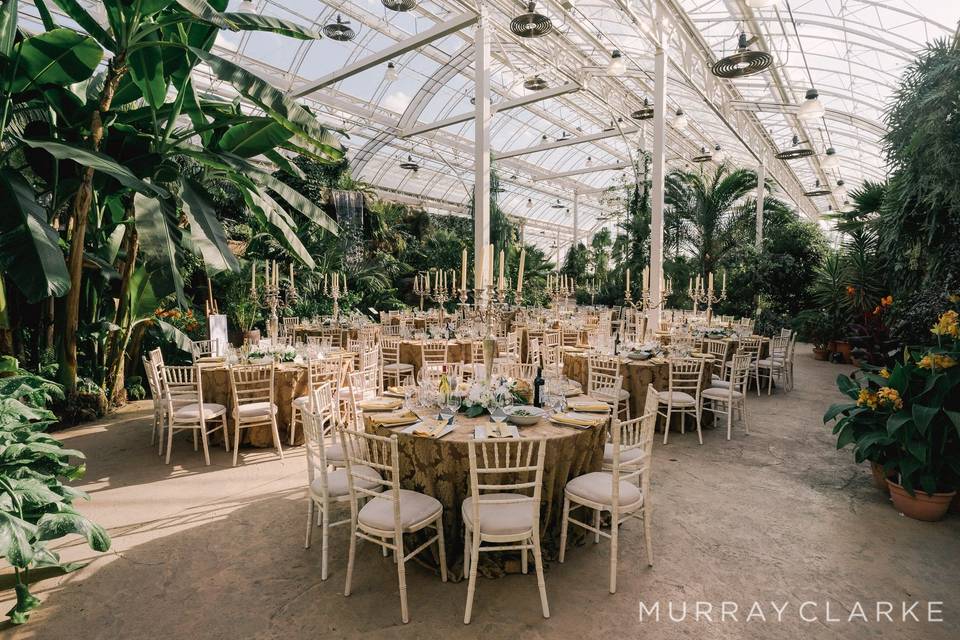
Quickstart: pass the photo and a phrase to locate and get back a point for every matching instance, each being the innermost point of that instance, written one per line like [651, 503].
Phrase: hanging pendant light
[818, 190]
[557, 205]
[680, 120]
[812, 108]
[409, 164]
[704, 156]
[719, 155]
[761, 4]
[391, 74]
[529, 203]
[399, 5]
[535, 83]
[795, 151]
[847, 207]
[832, 160]
[531, 24]
[645, 113]
[246, 6]
[339, 30]
[840, 190]
[742, 63]
[617, 65]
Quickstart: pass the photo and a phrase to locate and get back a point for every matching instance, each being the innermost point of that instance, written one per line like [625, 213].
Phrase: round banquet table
[457, 351]
[441, 468]
[637, 374]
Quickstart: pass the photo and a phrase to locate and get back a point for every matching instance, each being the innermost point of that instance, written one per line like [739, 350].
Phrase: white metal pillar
[659, 166]
[523, 232]
[559, 264]
[761, 178]
[576, 218]
[481, 181]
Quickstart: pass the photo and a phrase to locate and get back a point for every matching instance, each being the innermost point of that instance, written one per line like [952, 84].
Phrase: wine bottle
[538, 388]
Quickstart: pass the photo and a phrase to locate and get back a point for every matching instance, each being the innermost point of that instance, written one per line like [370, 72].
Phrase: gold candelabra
[421, 286]
[332, 289]
[649, 302]
[440, 295]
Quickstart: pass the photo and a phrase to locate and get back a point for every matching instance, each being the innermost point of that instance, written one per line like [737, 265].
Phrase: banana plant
[135, 118]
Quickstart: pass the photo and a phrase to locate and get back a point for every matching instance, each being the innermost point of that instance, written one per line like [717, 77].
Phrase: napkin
[395, 419]
[566, 418]
[394, 392]
[380, 404]
[429, 428]
[587, 405]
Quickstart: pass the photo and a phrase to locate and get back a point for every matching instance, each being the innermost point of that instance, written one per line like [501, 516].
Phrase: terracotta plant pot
[252, 336]
[821, 354]
[843, 348]
[920, 506]
[955, 504]
[879, 477]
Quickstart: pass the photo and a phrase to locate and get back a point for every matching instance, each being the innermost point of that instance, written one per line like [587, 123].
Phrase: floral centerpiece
[278, 353]
[480, 395]
[907, 419]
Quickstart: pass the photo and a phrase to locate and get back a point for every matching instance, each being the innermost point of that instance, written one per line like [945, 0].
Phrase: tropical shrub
[35, 506]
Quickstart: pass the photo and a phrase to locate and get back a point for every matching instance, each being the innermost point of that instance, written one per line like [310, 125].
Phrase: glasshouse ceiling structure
[559, 151]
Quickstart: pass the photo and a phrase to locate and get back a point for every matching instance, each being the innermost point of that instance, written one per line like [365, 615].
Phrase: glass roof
[851, 51]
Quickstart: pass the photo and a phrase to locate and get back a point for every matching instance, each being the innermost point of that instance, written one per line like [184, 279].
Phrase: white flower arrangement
[480, 395]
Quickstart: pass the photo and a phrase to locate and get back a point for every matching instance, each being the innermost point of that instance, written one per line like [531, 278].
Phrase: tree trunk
[131, 241]
[78, 216]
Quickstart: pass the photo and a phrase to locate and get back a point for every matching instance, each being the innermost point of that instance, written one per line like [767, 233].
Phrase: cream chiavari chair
[570, 336]
[391, 513]
[503, 509]
[254, 404]
[204, 348]
[393, 372]
[433, 352]
[158, 395]
[392, 330]
[750, 345]
[474, 368]
[533, 353]
[370, 369]
[318, 373]
[624, 490]
[774, 363]
[515, 370]
[717, 349]
[186, 409]
[289, 326]
[602, 372]
[683, 395]
[723, 400]
[508, 348]
[326, 487]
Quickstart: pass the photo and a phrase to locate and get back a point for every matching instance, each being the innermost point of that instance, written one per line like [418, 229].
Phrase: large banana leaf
[206, 231]
[59, 57]
[253, 22]
[206, 13]
[273, 216]
[146, 71]
[254, 138]
[160, 239]
[79, 15]
[29, 247]
[8, 27]
[99, 162]
[282, 108]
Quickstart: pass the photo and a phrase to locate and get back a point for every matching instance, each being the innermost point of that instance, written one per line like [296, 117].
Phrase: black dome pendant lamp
[743, 62]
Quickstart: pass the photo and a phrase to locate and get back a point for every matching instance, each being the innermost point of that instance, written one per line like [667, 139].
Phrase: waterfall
[349, 208]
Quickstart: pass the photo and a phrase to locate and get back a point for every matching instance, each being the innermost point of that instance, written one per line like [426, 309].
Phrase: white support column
[576, 217]
[559, 265]
[523, 232]
[481, 180]
[659, 166]
[761, 178]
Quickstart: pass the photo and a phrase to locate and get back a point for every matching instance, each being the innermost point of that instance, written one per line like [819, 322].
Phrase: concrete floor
[777, 516]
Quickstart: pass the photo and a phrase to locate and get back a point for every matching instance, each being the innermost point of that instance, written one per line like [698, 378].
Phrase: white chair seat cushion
[337, 482]
[192, 411]
[630, 455]
[606, 395]
[414, 508]
[715, 393]
[676, 398]
[398, 366]
[334, 453]
[597, 487]
[301, 402]
[767, 363]
[500, 519]
[719, 384]
[256, 409]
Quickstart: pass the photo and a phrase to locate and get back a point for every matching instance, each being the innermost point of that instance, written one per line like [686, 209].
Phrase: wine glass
[497, 411]
[451, 405]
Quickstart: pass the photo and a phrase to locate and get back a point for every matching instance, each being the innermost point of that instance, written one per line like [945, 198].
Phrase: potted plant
[244, 313]
[814, 326]
[918, 402]
[865, 425]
